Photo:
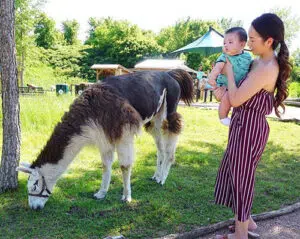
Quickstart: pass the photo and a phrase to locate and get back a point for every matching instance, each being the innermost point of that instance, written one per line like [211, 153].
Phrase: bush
[294, 90]
[295, 74]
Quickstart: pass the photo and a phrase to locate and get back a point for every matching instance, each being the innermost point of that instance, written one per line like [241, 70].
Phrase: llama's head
[38, 193]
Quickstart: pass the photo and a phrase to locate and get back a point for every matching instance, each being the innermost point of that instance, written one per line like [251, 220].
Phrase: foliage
[291, 23]
[183, 33]
[70, 30]
[44, 31]
[294, 89]
[226, 23]
[183, 203]
[47, 67]
[296, 56]
[120, 42]
[295, 74]
[295, 61]
[26, 12]
[66, 60]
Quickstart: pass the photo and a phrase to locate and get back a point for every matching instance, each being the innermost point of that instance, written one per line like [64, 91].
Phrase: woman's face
[256, 42]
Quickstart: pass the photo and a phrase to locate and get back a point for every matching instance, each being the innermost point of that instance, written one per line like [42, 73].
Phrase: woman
[264, 87]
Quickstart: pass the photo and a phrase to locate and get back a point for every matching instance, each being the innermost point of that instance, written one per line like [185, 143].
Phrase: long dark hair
[270, 25]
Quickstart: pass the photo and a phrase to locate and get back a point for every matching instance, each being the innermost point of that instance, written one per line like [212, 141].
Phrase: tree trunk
[10, 98]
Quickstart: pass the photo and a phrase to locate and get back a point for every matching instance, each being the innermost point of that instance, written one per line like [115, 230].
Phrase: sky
[157, 14]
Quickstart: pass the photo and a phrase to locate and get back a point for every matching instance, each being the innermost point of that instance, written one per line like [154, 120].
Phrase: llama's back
[144, 90]
[101, 106]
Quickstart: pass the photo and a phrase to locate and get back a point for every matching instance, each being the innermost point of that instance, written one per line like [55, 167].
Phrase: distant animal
[109, 114]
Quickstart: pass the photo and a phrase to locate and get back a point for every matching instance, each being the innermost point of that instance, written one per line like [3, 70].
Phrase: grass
[183, 203]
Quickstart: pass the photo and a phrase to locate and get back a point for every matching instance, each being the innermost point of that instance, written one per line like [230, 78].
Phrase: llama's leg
[154, 129]
[126, 172]
[170, 141]
[125, 152]
[160, 156]
[107, 160]
[171, 129]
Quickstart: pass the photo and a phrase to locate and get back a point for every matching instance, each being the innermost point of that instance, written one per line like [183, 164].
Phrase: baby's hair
[240, 31]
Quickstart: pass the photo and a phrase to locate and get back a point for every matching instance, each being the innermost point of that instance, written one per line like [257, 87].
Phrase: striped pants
[234, 187]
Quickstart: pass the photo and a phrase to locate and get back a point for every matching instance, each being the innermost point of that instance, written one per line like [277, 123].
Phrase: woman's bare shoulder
[271, 74]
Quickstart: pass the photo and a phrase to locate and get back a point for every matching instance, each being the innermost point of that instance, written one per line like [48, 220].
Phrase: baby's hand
[219, 92]
[212, 82]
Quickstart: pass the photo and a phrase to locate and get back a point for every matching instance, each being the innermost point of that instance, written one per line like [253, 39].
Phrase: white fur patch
[161, 100]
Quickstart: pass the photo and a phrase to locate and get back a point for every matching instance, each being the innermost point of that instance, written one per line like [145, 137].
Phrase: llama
[109, 114]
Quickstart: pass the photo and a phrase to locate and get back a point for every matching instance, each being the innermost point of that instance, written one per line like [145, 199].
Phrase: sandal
[222, 236]
[251, 234]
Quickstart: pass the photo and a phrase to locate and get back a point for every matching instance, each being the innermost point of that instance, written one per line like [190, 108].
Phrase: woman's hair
[241, 32]
[270, 25]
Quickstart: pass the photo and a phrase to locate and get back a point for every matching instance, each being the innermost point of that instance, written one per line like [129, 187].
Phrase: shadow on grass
[184, 202]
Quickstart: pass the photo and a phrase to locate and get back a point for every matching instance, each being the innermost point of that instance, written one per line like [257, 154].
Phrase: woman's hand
[219, 92]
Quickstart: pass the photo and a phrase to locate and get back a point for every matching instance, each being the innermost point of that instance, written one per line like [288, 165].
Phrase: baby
[234, 42]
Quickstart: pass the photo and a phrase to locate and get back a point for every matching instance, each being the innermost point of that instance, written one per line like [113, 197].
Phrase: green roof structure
[210, 43]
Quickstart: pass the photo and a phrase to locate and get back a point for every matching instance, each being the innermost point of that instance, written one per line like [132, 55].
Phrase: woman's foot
[252, 226]
[226, 236]
[251, 234]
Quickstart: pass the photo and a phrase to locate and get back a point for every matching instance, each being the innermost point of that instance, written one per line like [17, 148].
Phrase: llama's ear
[25, 170]
[25, 164]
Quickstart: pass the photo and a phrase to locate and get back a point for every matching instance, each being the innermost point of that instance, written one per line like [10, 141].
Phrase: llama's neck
[51, 171]
[59, 152]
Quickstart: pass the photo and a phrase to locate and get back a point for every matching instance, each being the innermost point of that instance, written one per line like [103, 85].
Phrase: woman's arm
[256, 80]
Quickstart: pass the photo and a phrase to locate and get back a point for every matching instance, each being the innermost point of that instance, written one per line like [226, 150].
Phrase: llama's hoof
[162, 182]
[100, 195]
[156, 178]
[126, 199]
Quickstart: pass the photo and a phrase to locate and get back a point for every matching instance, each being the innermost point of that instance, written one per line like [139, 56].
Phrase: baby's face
[232, 44]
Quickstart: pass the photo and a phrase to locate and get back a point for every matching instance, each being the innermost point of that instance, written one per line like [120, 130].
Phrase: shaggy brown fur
[173, 123]
[101, 104]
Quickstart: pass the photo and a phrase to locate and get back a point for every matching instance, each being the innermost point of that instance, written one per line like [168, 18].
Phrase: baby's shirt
[200, 75]
[240, 64]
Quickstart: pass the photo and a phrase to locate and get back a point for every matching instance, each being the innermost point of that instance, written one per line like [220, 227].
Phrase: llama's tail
[186, 84]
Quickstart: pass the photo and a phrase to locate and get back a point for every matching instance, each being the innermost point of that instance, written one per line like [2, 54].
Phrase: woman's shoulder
[268, 71]
[270, 67]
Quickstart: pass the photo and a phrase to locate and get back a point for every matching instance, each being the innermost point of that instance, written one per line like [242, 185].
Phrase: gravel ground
[283, 227]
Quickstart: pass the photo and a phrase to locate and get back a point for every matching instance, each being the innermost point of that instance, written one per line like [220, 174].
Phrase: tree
[183, 33]
[70, 29]
[94, 23]
[226, 23]
[10, 98]
[295, 59]
[45, 31]
[296, 56]
[118, 42]
[291, 23]
[25, 14]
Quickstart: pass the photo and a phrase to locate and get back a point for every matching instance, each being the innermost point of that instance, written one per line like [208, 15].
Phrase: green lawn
[183, 203]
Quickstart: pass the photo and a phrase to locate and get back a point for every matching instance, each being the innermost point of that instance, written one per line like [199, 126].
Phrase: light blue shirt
[200, 75]
[240, 64]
